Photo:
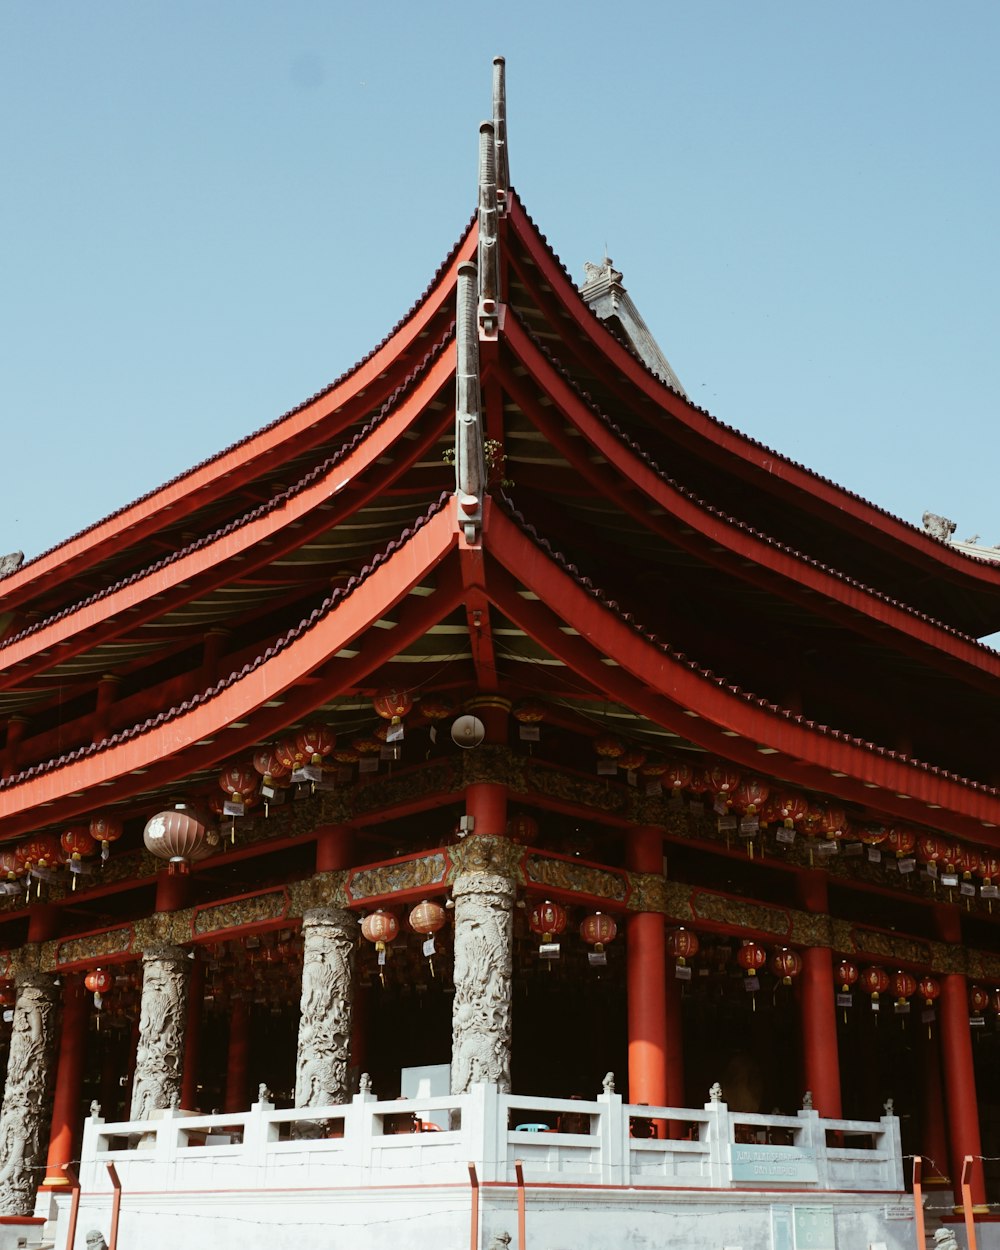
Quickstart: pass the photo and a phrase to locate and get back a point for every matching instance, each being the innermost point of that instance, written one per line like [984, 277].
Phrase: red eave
[811, 491]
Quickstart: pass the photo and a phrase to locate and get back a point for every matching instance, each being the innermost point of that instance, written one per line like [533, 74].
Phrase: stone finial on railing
[715, 1092]
[888, 1106]
[263, 1094]
[365, 1083]
[807, 1100]
[609, 1082]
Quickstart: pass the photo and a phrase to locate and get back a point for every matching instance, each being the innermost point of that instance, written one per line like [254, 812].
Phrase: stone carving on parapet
[945, 1239]
[329, 935]
[26, 1115]
[11, 563]
[95, 1240]
[939, 526]
[162, 1019]
[481, 1023]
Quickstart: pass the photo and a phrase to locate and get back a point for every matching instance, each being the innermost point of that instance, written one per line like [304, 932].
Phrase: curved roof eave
[242, 460]
[671, 690]
[816, 493]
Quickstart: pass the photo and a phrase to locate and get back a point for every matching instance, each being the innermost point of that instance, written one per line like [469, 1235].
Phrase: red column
[675, 1044]
[817, 1003]
[238, 1060]
[646, 964]
[934, 1132]
[69, 1082]
[960, 1082]
[172, 891]
[334, 848]
[192, 1036]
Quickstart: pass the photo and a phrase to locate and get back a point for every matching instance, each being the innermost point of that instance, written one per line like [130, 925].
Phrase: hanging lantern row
[876, 982]
[45, 853]
[982, 1000]
[548, 920]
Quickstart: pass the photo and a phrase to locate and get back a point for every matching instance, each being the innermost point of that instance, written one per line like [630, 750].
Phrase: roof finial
[489, 256]
[470, 465]
[500, 123]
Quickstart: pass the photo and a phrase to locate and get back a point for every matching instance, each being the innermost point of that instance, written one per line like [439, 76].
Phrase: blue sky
[211, 210]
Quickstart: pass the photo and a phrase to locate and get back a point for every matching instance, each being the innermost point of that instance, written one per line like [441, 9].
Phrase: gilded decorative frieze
[255, 909]
[117, 941]
[982, 966]
[810, 929]
[488, 762]
[576, 878]
[647, 892]
[677, 902]
[407, 786]
[482, 853]
[741, 912]
[889, 945]
[570, 788]
[394, 878]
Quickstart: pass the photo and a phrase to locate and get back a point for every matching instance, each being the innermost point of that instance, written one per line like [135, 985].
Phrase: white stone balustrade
[358, 1144]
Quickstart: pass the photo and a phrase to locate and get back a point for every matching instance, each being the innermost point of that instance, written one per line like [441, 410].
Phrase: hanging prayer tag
[428, 947]
[229, 808]
[395, 732]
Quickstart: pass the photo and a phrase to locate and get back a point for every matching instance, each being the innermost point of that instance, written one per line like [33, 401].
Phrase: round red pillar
[69, 1082]
[646, 966]
[192, 1036]
[933, 1127]
[960, 1083]
[817, 1004]
[173, 890]
[238, 1059]
[334, 848]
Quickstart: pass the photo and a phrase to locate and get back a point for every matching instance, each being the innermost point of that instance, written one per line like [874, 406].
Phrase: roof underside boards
[732, 471]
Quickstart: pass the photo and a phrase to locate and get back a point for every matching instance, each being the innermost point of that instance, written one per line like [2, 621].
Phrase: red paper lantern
[874, 981]
[380, 927]
[548, 920]
[678, 776]
[989, 868]
[722, 779]
[931, 849]
[288, 754]
[631, 759]
[929, 990]
[873, 835]
[751, 957]
[523, 829]
[428, 917]
[846, 975]
[901, 840]
[315, 742]
[699, 781]
[786, 963]
[750, 795]
[346, 755]
[904, 986]
[790, 808]
[979, 1000]
[608, 747]
[682, 944]
[11, 865]
[98, 983]
[77, 842]
[598, 929]
[654, 766]
[177, 835]
[238, 782]
[392, 705]
[44, 850]
[833, 822]
[967, 862]
[436, 707]
[530, 712]
[267, 764]
[366, 746]
[105, 829]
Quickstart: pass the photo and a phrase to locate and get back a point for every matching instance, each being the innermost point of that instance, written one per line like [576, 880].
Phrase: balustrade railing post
[719, 1129]
[257, 1132]
[613, 1133]
[484, 1129]
[88, 1150]
[358, 1132]
[892, 1149]
[813, 1139]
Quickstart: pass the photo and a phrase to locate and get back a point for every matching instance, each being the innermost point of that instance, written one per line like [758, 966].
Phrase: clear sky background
[210, 210]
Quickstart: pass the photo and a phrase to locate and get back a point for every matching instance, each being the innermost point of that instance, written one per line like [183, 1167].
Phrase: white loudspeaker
[468, 731]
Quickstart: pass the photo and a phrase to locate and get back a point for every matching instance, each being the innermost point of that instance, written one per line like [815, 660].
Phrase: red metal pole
[474, 1228]
[821, 1066]
[646, 967]
[960, 1081]
[521, 1235]
[74, 1206]
[970, 1224]
[918, 1203]
[116, 1206]
[69, 1083]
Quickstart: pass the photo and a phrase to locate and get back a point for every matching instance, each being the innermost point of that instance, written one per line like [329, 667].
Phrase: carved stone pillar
[27, 1098]
[480, 1045]
[162, 1020]
[329, 937]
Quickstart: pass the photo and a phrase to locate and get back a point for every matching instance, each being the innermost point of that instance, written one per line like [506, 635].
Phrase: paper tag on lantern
[8, 1015]
[82, 867]
[682, 974]
[529, 733]
[907, 865]
[368, 764]
[273, 794]
[892, 865]
[727, 824]
[989, 891]
[785, 836]
[655, 787]
[548, 950]
[389, 752]
[395, 733]
[328, 781]
[597, 959]
[967, 888]
[874, 855]
[43, 874]
[853, 848]
[229, 808]
[751, 984]
[949, 878]
[749, 826]
[901, 1009]
[874, 1004]
[977, 1022]
[381, 959]
[632, 777]
[308, 772]
[429, 947]
[928, 1015]
[719, 806]
[845, 1000]
[10, 887]
[606, 768]
[828, 848]
[931, 869]
[697, 808]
